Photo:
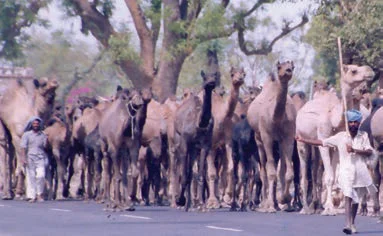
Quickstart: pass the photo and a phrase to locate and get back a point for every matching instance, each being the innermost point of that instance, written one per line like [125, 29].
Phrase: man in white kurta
[354, 178]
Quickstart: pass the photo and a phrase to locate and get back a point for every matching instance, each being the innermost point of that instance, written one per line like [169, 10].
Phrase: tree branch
[81, 75]
[93, 20]
[265, 49]
[256, 6]
[144, 34]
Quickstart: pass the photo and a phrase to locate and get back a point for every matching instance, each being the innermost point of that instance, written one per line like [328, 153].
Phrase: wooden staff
[341, 76]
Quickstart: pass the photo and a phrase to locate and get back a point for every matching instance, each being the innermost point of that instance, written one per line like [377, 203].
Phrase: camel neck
[233, 100]
[206, 109]
[281, 98]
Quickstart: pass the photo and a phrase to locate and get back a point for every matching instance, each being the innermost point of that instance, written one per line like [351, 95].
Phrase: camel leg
[212, 202]
[287, 147]
[116, 165]
[297, 203]
[243, 172]
[106, 178]
[141, 165]
[235, 159]
[258, 183]
[133, 155]
[263, 174]
[60, 167]
[228, 194]
[317, 171]
[375, 196]
[173, 183]
[201, 176]
[20, 171]
[97, 174]
[270, 203]
[303, 151]
[329, 181]
[6, 166]
[181, 152]
[76, 180]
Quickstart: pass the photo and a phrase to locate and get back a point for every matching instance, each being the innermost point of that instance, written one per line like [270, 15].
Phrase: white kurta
[354, 178]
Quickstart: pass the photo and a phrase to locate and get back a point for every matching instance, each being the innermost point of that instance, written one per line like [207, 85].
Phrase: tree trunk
[166, 81]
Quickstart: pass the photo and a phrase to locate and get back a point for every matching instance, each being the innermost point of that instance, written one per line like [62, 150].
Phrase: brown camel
[223, 112]
[272, 116]
[318, 119]
[117, 127]
[33, 98]
[193, 134]
[59, 143]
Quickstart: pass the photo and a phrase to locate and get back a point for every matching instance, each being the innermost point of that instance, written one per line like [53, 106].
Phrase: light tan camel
[272, 116]
[223, 112]
[318, 119]
[32, 98]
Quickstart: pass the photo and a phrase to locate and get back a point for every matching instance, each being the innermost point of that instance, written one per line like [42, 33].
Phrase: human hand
[298, 138]
[349, 148]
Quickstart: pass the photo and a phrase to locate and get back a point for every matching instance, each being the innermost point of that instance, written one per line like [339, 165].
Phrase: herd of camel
[205, 150]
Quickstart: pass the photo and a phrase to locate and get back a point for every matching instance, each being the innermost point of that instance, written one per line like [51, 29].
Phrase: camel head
[147, 95]
[187, 92]
[237, 76]
[251, 92]
[131, 99]
[359, 91]
[46, 88]
[353, 75]
[285, 70]
[83, 102]
[220, 91]
[210, 80]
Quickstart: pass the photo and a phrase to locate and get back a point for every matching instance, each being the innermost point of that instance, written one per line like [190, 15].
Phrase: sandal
[347, 230]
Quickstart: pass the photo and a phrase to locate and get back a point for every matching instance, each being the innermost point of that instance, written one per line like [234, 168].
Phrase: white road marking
[137, 217]
[227, 229]
[57, 209]
[4, 205]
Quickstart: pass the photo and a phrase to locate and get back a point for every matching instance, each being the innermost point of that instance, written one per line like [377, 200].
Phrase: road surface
[19, 218]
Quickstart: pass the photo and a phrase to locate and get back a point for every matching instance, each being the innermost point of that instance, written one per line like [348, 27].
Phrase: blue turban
[354, 115]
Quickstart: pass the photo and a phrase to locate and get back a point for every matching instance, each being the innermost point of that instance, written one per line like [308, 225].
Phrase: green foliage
[121, 48]
[14, 17]
[358, 23]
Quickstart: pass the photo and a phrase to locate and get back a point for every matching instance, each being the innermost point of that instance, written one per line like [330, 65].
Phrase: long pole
[341, 76]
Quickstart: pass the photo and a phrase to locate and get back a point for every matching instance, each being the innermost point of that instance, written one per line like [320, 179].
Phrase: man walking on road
[35, 159]
[354, 178]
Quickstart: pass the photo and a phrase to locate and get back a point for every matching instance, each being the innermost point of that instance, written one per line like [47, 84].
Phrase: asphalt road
[80, 218]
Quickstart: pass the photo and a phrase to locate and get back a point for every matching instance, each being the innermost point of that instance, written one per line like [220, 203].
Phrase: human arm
[315, 142]
[24, 145]
[365, 153]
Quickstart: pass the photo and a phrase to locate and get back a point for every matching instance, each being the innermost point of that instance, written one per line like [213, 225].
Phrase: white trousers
[35, 177]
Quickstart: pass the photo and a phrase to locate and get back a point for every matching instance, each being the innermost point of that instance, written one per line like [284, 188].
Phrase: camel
[223, 112]
[58, 135]
[33, 98]
[377, 138]
[318, 119]
[85, 118]
[118, 125]
[193, 127]
[272, 116]
[245, 159]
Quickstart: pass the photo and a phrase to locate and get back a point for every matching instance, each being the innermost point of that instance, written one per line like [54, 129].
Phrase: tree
[359, 24]
[186, 24]
[73, 63]
[16, 15]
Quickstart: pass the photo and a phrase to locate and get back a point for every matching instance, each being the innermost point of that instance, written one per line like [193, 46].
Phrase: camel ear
[232, 70]
[292, 64]
[345, 68]
[119, 88]
[36, 83]
[278, 63]
[203, 74]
